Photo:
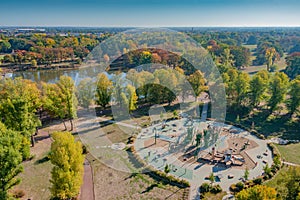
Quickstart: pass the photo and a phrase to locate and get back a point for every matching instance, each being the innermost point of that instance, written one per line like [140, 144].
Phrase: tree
[258, 87]
[271, 55]
[241, 86]
[19, 102]
[294, 93]
[258, 192]
[85, 92]
[293, 183]
[278, 89]
[167, 169]
[246, 174]
[211, 178]
[293, 65]
[103, 90]
[10, 159]
[67, 158]
[33, 63]
[228, 59]
[59, 99]
[132, 98]
[241, 56]
[197, 82]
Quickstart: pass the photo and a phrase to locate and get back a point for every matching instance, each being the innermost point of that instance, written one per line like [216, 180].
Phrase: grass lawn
[113, 184]
[290, 153]
[36, 175]
[211, 196]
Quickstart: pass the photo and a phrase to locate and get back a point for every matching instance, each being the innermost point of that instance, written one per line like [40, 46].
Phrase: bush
[274, 68]
[84, 150]
[216, 189]
[240, 186]
[258, 181]
[205, 187]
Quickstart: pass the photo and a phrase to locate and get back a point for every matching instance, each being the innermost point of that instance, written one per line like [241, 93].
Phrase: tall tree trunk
[71, 121]
[32, 141]
[64, 124]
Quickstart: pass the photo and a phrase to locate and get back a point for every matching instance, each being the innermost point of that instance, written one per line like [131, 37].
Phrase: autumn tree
[10, 159]
[258, 192]
[271, 55]
[67, 158]
[132, 97]
[103, 90]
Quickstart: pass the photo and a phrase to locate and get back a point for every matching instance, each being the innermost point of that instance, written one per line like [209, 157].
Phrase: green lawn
[290, 153]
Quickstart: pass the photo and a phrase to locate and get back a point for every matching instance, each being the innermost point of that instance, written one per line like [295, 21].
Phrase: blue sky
[150, 13]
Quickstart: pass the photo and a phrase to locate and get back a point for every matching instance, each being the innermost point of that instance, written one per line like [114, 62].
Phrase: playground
[193, 149]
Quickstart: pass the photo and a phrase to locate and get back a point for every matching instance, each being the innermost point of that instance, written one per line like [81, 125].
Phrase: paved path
[291, 164]
[87, 188]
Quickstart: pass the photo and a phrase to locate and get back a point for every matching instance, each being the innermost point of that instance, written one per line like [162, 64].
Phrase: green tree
[246, 174]
[167, 169]
[241, 86]
[258, 87]
[103, 91]
[294, 93]
[211, 178]
[67, 158]
[258, 192]
[227, 58]
[59, 99]
[293, 65]
[197, 82]
[19, 102]
[10, 159]
[85, 92]
[67, 87]
[241, 56]
[278, 89]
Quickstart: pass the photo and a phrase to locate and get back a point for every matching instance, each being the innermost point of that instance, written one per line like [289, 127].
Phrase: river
[52, 76]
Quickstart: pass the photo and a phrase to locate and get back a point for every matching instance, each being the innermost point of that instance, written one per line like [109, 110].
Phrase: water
[52, 76]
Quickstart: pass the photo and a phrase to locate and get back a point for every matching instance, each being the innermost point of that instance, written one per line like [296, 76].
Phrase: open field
[290, 153]
[35, 178]
[113, 184]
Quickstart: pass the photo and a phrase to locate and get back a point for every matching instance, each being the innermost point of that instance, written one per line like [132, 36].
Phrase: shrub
[240, 186]
[216, 189]
[205, 187]
[84, 150]
[258, 181]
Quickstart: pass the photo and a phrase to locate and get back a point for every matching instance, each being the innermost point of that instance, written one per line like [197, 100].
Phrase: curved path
[87, 188]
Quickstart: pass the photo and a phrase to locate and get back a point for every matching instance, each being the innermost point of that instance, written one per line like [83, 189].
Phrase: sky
[150, 13]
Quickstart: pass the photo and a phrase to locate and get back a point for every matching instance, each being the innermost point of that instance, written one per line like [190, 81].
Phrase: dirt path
[87, 188]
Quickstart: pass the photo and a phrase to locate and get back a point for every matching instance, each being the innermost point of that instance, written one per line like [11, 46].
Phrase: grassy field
[290, 153]
[210, 196]
[113, 184]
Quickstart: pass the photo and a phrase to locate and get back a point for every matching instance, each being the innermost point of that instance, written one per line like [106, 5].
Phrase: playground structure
[192, 140]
